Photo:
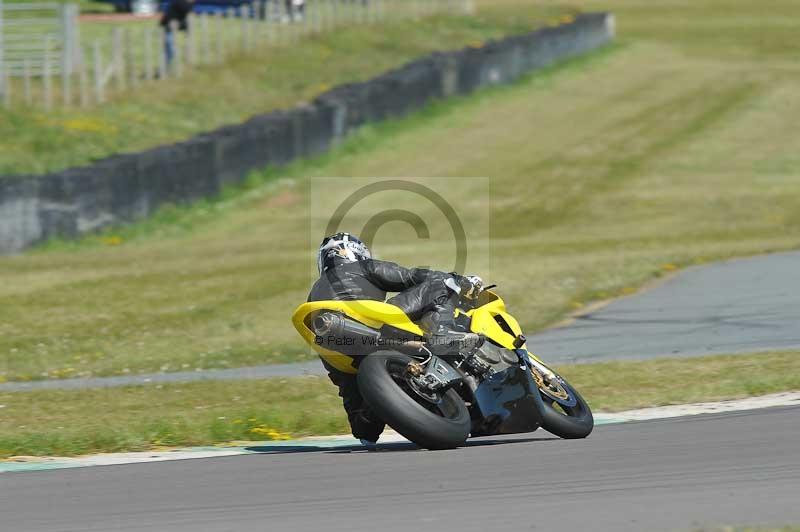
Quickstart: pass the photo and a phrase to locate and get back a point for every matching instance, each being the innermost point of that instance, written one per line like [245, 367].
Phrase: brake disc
[552, 388]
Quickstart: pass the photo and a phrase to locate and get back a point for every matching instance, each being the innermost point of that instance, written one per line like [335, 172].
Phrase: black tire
[564, 421]
[445, 426]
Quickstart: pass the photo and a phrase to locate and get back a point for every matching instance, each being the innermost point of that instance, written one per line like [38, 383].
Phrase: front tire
[567, 417]
[438, 422]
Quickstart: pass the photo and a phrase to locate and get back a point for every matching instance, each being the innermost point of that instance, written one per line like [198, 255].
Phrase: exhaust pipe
[332, 327]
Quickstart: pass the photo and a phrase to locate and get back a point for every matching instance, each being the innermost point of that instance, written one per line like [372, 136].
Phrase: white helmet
[344, 246]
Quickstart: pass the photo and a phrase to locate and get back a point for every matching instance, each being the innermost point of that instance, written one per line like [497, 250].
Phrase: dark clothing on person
[421, 292]
[420, 289]
[364, 424]
[177, 10]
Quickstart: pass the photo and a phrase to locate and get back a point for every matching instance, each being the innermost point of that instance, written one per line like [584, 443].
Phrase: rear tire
[381, 382]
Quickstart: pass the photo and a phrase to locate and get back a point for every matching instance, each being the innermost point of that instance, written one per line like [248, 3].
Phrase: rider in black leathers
[348, 272]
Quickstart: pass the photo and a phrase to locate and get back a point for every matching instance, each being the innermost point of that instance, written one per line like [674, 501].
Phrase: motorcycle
[434, 401]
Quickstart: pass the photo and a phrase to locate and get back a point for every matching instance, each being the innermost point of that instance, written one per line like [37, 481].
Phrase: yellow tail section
[373, 314]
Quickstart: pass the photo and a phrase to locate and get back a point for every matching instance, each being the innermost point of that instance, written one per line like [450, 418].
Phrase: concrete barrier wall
[123, 188]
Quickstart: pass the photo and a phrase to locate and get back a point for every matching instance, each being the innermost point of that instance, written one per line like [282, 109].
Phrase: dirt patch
[284, 199]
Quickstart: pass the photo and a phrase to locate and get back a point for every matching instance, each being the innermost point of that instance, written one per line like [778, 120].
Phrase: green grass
[143, 417]
[656, 154]
[787, 528]
[32, 141]
[232, 32]
[615, 386]
[85, 6]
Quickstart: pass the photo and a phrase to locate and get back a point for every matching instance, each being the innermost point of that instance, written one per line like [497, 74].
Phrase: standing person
[176, 10]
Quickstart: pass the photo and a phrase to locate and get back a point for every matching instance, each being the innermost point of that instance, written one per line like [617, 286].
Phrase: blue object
[200, 6]
[169, 45]
[241, 7]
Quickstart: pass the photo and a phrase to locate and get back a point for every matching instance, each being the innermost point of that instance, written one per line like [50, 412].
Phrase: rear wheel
[564, 412]
[433, 420]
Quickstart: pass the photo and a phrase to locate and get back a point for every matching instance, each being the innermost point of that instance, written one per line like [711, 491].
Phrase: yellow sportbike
[437, 402]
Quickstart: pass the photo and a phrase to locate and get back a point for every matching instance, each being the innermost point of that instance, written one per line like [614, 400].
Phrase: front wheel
[433, 420]
[564, 412]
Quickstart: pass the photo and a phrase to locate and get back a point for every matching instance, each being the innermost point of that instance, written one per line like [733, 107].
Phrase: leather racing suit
[422, 294]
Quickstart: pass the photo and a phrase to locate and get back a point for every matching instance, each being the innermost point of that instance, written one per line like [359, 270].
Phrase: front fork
[543, 371]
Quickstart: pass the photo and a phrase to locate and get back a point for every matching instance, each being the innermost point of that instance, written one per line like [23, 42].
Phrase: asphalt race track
[736, 306]
[678, 474]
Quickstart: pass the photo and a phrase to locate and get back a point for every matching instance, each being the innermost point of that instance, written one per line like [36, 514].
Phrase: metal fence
[44, 62]
[31, 35]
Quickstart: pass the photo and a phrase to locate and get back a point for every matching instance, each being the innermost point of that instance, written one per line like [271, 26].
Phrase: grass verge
[787, 528]
[616, 386]
[669, 150]
[146, 417]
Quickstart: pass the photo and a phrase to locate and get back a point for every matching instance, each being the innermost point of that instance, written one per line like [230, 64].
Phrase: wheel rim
[572, 409]
[555, 390]
[566, 411]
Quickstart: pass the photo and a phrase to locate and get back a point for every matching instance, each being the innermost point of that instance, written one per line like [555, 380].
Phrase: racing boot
[450, 342]
[445, 338]
[365, 425]
[369, 445]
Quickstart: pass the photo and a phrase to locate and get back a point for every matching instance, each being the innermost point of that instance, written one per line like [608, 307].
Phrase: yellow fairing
[376, 313]
[484, 321]
[371, 313]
